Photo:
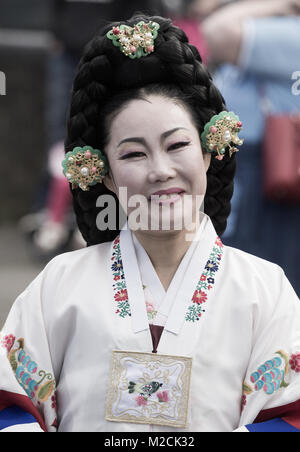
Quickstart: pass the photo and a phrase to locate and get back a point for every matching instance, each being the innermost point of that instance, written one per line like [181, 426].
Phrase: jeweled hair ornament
[137, 41]
[85, 167]
[221, 134]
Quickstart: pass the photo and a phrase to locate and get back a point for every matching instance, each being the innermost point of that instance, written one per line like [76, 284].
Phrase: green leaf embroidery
[45, 391]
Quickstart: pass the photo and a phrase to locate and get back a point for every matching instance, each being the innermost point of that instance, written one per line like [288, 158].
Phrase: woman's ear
[207, 160]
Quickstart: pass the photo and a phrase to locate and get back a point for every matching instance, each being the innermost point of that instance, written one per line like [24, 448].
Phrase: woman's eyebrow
[170, 132]
[141, 140]
[133, 140]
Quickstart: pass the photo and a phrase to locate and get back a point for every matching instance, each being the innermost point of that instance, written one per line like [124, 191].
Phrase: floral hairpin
[137, 41]
[85, 167]
[221, 134]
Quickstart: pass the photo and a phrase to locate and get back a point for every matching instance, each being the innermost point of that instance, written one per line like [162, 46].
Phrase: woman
[158, 327]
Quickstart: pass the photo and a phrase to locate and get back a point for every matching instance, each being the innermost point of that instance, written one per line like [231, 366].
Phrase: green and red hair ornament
[85, 167]
[135, 42]
[221, 134]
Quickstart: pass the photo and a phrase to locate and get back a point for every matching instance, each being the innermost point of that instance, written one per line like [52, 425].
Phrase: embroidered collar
[193, 312]
[119, 283]
[206, 283]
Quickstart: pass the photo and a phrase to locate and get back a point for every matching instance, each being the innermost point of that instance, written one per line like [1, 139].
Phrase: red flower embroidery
[163, 396]
[219, 242]
[141, 401]
[53, 400]
[8, 342]
[121, 295]
[199, 297]
[295, 362]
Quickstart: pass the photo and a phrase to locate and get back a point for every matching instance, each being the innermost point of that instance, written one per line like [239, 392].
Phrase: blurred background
[252, 49]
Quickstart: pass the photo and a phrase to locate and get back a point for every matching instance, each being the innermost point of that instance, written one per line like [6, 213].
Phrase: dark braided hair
[107, 80]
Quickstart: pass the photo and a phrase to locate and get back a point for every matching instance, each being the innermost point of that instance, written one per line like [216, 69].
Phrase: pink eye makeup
[178, 145]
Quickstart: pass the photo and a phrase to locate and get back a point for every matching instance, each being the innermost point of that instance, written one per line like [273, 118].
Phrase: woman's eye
[131, 154]
[178, 145]
[173, 147]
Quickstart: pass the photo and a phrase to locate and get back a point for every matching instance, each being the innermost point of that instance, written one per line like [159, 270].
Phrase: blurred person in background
[192, 15]
[51, 229]
[188, 15]
[257, 45]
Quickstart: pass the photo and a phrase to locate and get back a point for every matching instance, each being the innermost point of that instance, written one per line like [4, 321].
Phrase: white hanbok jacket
[234, 314]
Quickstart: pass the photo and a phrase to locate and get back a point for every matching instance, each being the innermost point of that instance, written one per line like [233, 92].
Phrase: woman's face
[154, 149]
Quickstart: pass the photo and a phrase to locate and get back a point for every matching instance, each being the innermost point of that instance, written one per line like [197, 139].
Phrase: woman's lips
[168, 191]
[166, 198]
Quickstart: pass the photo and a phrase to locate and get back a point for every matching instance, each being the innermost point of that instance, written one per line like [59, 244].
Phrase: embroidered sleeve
[27, 383]
[271, 390]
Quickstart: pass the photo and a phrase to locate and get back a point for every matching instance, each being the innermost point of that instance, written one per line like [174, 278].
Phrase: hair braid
[106, 81]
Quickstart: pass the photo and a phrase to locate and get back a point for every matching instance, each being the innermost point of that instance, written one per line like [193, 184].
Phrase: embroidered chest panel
[148, 388]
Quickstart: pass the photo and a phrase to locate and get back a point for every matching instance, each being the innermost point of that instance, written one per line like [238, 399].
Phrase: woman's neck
[165, 250]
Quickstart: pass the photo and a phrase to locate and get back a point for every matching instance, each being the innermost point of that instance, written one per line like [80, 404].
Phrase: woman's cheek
[192, 169]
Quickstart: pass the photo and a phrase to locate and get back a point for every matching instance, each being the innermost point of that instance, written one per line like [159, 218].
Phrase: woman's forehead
[152, 115]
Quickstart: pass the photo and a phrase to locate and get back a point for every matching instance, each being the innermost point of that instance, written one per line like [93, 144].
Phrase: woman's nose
[161, 170]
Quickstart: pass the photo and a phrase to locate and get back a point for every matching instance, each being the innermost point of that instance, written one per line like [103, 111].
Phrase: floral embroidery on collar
[151, 311]
[206, 283]
[119, 284]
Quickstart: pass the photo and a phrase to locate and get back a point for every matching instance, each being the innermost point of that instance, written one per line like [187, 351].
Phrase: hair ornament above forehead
[136, 41]
[221, 133]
